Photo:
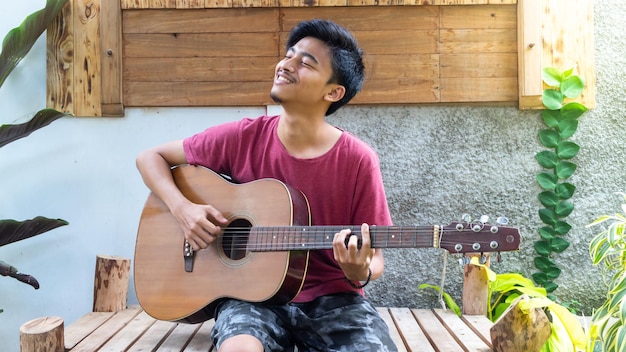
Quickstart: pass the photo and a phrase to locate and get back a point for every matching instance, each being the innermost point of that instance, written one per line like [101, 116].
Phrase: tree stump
[475, 288]
[42, 335]
[111, 283]
[516, 331]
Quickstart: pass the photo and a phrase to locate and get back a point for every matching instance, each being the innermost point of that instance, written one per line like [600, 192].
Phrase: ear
[336, 93]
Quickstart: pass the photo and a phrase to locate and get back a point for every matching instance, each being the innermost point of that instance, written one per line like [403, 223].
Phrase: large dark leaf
[11, 133]
[18, 42]
[8, 270]
[13, 230]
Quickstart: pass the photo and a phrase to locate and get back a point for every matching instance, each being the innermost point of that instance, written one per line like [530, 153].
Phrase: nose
[286, 64]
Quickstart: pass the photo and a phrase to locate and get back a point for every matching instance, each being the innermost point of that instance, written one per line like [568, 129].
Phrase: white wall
[78, 169]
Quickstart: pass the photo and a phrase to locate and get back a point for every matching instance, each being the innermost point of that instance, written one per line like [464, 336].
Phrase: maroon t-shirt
[344, 186]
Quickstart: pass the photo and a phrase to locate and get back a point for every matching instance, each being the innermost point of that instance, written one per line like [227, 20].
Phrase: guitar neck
[286, 238]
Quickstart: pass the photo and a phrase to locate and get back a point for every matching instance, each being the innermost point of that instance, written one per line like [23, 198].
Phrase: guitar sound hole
[235, 239]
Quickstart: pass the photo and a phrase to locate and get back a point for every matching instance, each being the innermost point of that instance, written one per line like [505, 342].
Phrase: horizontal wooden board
[477, 41]
[393, 91]
[390, 18]
[200, 45]
[194, 69]
[479, 65]
[486, 16]
[420, 66]
[201, 21]
[197, 93]
[454, 90]
[147, 4]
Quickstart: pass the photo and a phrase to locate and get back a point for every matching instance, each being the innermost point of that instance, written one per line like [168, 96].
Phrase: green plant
[608, 249]
[561, 118]
[16, 44]
[504, 289]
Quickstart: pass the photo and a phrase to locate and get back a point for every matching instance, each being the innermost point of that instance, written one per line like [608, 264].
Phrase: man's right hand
[201, 224]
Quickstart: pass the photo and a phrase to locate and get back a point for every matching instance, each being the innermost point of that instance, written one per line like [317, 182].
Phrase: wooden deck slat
[464, 334]
[129, 334]
[178, 338]
[85, 325]
[393, 330]
[481, 325]
[201, 341]
[103, 333]
[153, 337]
[437, 334]
[413, 336]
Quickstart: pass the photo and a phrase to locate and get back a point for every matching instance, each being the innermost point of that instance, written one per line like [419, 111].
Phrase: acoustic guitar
[262, 254]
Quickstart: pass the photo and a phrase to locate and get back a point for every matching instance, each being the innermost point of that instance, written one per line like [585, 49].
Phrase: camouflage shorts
[340, 322]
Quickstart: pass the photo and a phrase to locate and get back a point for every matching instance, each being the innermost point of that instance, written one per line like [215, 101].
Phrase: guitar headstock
[479, 237]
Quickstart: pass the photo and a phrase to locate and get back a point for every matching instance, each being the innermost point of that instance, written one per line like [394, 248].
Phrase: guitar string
[288, 237]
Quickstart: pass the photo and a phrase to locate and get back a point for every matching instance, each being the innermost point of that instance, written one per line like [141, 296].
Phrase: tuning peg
[484, 219]
[482, 259]
[466, 218]
[498, 257]
[502, 220]
[464, 260]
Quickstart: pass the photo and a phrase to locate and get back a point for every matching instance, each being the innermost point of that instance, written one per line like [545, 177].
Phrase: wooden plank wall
[223, 52]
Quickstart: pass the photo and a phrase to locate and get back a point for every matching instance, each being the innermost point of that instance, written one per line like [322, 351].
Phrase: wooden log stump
[111, 283]
[517, 331]
[42, 335]
[475, 287]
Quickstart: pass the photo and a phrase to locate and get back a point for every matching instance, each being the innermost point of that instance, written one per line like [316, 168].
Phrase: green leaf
[563, 209]
[548, 199]
[552, 273]
[552, 99]
[447, 298]
[547, 233]
[13, 231]
[551, 117]
[572, 110]
[565, 190]
[544, 263]
[567, 128]
[547, 181]
[562, 228]
[543, 248]
[540, 278]
[18, 41]
[547, 159]
[11, 133]
[572, 86]
[549, 138]
[559, 244]
[550, 286]
[564, 169]
[552, 76]
[567, 150]
[548, 216]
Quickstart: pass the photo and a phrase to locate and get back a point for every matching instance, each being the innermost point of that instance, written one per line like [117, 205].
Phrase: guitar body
[167, 292]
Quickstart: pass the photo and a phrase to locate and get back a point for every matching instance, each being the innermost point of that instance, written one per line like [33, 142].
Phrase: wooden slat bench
[114, 327]
[132, 329]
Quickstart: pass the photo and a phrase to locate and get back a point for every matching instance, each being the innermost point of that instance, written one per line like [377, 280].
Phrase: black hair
[346, 55]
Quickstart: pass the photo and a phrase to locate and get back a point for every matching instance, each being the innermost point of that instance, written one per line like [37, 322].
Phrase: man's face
[302, 75]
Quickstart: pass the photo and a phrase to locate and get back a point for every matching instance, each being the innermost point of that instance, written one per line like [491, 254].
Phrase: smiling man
[340, 176]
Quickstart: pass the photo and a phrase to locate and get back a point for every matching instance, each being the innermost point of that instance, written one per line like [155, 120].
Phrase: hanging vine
[561, 118]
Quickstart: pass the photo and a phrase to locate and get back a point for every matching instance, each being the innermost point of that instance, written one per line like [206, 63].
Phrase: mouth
[283, 78]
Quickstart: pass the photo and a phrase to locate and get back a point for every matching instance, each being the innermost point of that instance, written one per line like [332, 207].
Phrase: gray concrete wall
[441, 162]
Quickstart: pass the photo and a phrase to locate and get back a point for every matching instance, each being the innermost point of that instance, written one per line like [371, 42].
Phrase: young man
[340, 175]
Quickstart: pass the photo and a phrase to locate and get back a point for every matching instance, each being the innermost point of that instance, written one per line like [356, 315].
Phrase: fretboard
[286, 238]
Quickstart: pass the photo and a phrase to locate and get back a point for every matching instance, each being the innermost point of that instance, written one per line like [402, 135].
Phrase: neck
[306, 136]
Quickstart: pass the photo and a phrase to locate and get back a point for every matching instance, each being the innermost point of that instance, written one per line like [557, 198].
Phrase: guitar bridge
[188, 256]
